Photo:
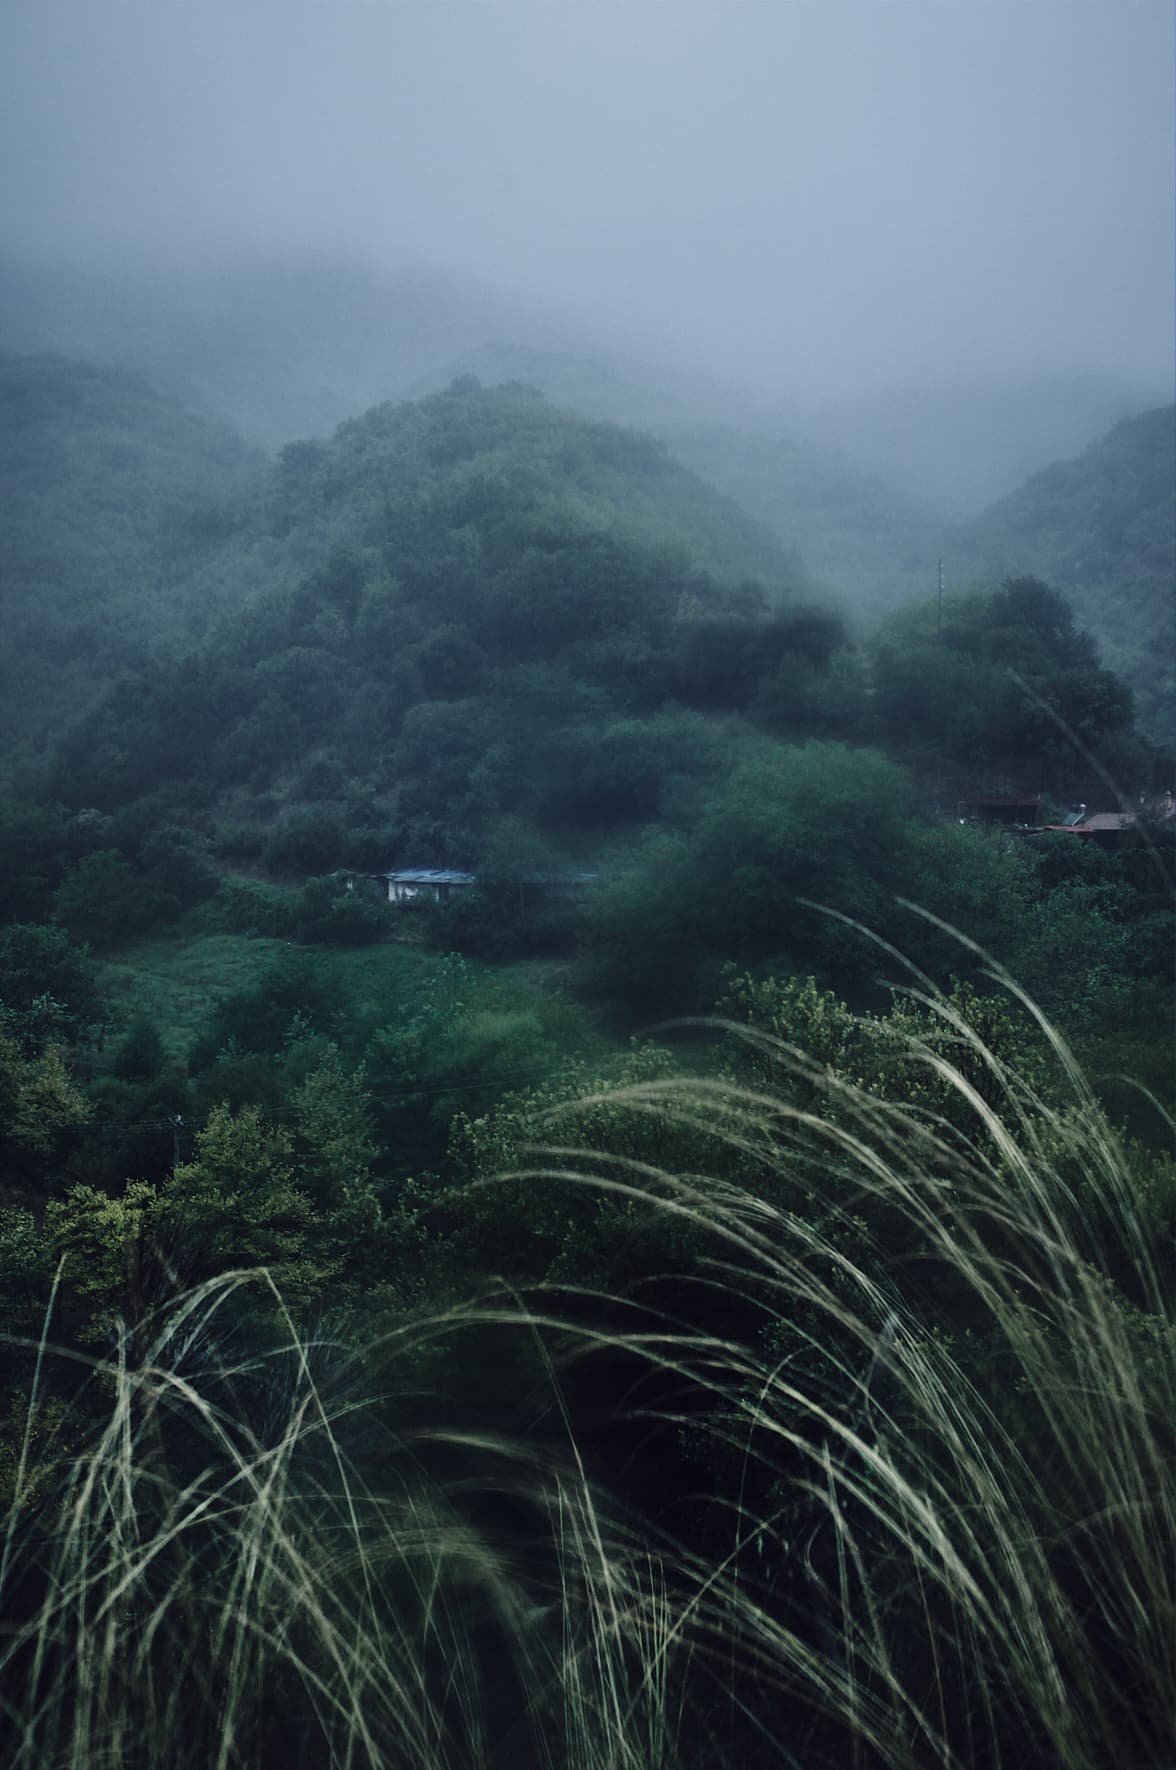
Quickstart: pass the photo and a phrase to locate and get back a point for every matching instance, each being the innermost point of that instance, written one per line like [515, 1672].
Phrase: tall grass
[219, 1583]
[939, 1530]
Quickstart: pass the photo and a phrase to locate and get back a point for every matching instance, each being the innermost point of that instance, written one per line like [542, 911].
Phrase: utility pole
[939, 604]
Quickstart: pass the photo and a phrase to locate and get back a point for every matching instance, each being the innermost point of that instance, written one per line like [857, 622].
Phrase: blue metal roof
[451, 876]
[427, 876]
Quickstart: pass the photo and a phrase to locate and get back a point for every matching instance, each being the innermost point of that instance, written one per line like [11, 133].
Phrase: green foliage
[141, 1054]
[35, 1444]
[979, 882]
[106, 1246]
[309, 839]
[237, 1204]
[1075, 956]
[460, 1046]
[1007, 679]
[37, 844]
[47, 984]
[258, 1018]
[513, 1213]
[339, 913]
[175, 866]
[462, 643]
[819, 822]
[249, 906]
[99, 478]
[934, 1057]
[893, 1300]
[26, 1273]
[38, 1099]
[103, 900]
[333, 1119]
[640, 949]
[1103, 528]
[638, 770]
[792, 1012]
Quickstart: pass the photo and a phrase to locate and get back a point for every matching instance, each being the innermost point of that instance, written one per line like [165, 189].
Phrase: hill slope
[102, 483]
[1102, 527]
[130, 523]
[290, 346]
[458, 600]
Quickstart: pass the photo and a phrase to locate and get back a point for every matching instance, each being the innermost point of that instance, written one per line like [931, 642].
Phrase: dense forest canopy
[288, 346]
[670, 777]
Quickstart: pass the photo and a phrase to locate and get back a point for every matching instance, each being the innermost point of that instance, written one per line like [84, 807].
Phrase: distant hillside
[1102, 528]
[278, 346]
[955, 446]
[853, 530]
[102, 484]
[286, 347]
[600, 475]
[868, 543]
[129, 523]
[474, 607]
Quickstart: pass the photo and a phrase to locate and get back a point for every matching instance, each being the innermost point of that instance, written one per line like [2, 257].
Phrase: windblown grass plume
[956, 1415]
[924, 1401]
[217, 1583]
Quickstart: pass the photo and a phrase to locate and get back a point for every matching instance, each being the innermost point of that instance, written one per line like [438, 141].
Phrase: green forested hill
[451, 612]
[104, 487]
[1102, 528]
[131, 524]
[592, 473]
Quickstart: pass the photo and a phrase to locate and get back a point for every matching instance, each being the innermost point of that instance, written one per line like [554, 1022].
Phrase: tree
[334, 1131]
[38, 1100]
[821, 822]
[339, 913]
[48, 984]
[103, 899]
[1007, 674]
[35, 849]
[141, 1055]
[237, 1204]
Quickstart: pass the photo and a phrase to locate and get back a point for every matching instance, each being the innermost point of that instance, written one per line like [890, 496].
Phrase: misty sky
[806, 193]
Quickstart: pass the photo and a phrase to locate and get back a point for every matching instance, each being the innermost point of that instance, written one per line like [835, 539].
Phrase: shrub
[103, 899]
[309, 839]
[249, 907]
[340, 914]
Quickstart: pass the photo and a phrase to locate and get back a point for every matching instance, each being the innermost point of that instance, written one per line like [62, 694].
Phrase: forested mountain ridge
[130, 523]
[477, 647]
[477, 584]
[602, 474]
[288, 346]
[1102, 527]
[475, 629]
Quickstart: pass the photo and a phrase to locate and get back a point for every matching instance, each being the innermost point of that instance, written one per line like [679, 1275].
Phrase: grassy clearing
[178, 981]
